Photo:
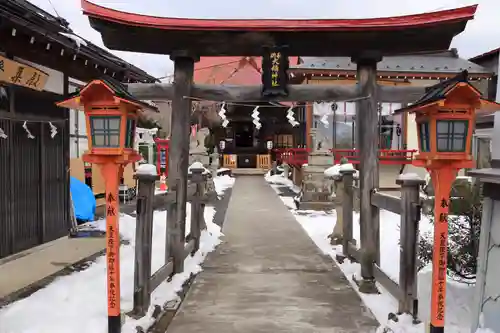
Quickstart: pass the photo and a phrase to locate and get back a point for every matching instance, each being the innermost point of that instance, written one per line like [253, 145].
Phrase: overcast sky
[481, 34]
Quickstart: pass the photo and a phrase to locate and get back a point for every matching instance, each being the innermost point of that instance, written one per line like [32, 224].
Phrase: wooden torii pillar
[178, 157]
[367, 145]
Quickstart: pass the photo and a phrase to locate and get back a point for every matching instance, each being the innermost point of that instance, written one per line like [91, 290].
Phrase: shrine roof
[486, 55]
[118, 89]
[230, 70]
[305, 37]
[81, 59]
[443, 62]
[439, 91]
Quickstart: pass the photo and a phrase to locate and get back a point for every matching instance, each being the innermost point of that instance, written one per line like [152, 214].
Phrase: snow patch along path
[319, 225]
[77, 303]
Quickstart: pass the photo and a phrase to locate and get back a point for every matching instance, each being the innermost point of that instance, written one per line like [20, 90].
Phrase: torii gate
[366, 41]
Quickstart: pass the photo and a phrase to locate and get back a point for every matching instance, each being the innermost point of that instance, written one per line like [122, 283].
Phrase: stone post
[197, 208]
[286, 170]
[197, 149]
[143, 243]
[316, 187]
[347, 209]
[487, 297]
[410, 218]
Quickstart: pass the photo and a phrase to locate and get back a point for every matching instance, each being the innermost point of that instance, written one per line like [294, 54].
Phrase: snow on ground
[334, 171]
[198, 165]
[319, 225]
[222, 183]
[77, 303]
[280, 180]
[146, 169]
[158, 191]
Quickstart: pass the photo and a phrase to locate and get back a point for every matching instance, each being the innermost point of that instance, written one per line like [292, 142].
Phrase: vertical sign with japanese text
[113, 252]
[20, 74]
[439, 259]
[274, 72]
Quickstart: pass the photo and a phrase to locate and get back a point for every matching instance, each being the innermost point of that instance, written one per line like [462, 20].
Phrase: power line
[54, 8]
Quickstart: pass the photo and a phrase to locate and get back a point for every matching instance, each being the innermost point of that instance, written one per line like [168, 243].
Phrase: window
[424, 137]
[105, 131]
[129, 135]
[451, 135]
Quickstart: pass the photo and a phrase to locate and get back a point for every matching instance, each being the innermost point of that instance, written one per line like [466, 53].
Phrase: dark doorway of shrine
[249, 146]
[246, 143]
[245, 134]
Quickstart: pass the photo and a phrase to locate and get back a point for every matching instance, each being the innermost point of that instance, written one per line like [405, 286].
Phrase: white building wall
[78, 129]
[412, 136]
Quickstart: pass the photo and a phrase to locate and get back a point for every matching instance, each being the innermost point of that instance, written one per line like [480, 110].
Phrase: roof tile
[442, 62]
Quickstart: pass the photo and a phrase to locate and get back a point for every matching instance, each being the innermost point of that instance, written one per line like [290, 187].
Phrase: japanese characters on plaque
[274, 72]
[442, 264]
[443, 216]
[22, 75]
[111, 247]
[163, 158]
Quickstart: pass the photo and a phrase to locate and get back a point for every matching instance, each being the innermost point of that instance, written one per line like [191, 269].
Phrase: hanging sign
[163, 158]
[20, 74]
[274, 72]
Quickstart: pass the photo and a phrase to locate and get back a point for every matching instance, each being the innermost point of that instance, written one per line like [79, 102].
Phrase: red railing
[292, 156]
[299, 156]
[386, 156]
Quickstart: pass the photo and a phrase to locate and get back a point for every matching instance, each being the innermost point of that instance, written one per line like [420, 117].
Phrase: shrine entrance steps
[268, 276]
[248, 172]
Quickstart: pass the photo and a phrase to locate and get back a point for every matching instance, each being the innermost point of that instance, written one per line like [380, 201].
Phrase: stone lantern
[445, 118]
[111, 116]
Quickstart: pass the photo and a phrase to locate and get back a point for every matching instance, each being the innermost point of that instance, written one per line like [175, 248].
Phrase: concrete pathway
[268, 276]
[43, 262]
[36, 267]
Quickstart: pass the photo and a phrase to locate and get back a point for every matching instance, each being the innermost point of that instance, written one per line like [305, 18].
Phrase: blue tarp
[83, 200]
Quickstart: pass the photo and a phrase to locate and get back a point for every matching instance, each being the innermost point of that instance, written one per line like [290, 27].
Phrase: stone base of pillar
[316, 188]
[199, 156]
[367, 286]
[213, 164]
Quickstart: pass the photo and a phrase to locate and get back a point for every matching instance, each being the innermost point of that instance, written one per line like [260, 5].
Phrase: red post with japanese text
[111, 173]
[442, 180]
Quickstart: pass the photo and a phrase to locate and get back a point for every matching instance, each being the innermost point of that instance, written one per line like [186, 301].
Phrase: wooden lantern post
[445, 118]
[111, 117]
